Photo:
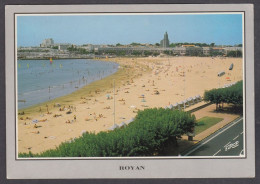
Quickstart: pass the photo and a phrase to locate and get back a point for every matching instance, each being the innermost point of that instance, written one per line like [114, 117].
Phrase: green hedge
[233, 95]
[147, 135]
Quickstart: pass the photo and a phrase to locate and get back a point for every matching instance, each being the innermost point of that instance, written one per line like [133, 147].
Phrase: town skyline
[221, 29]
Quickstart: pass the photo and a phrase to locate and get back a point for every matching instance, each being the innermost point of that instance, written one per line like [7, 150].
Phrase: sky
[221, 29]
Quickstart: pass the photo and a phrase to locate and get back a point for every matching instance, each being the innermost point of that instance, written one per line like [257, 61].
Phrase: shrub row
[232, 94]
[147, 135]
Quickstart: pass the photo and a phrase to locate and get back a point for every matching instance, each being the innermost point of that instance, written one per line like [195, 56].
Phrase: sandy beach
[139, 83]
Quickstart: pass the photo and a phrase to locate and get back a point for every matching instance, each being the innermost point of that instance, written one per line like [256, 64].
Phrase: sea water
[40, 80]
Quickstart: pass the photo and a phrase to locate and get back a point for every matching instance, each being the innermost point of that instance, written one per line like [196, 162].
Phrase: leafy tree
[167, 52]
[118, 44]
[212, 44]
[135, 44]
[239, 45]
[216, 53]
[156, 54]
[136, 53]
[148, 53]
[236, 53]
[173, 45]
[233, 95]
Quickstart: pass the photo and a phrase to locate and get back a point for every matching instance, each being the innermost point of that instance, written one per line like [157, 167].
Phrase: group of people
[74, 117]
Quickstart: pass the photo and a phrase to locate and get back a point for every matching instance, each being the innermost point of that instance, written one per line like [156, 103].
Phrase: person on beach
[22, 113]
[75, 118]
[95, 117]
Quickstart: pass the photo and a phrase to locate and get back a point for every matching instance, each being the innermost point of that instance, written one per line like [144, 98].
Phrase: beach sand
[140, 83]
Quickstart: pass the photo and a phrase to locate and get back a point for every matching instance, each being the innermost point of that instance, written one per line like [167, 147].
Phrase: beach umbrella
[113, 127]
[198, 96]
[175, 105]
[185, 101]
[181, 103]
[142, 95]
[190, 99]
[194, 99]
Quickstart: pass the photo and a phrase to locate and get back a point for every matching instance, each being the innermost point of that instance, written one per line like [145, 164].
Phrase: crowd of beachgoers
[170, 82]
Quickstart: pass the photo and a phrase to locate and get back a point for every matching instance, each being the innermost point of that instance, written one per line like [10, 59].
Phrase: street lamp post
[114, 104]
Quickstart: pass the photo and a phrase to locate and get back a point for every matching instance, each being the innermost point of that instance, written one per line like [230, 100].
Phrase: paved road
[227, 141]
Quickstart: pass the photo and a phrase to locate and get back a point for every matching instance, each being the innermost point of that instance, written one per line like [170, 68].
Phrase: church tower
[165, 42]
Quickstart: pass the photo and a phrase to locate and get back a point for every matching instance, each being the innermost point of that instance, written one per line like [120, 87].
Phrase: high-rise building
[165, 41]
[47, 43]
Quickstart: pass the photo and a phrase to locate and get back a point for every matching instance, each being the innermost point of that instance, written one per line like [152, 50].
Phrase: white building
[64, 46]
[47, 43]
[228, 49]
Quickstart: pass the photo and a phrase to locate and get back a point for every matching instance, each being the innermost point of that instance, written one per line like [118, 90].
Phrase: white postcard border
[153, 168]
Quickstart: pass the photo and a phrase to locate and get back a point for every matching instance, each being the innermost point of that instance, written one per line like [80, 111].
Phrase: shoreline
[85, 90]
[114, 57]
[48, 58]
[137, 80]
[69, 94]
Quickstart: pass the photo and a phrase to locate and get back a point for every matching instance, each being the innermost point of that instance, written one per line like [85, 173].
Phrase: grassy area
[205, 123]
